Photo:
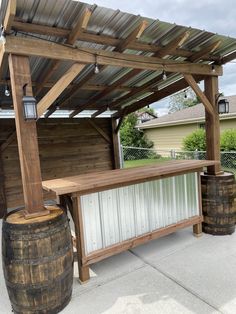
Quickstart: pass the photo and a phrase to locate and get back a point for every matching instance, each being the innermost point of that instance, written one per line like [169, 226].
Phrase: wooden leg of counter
[197, 230]
[77, 216]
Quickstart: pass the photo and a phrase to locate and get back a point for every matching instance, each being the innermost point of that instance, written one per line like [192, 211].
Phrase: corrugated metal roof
[116, 24]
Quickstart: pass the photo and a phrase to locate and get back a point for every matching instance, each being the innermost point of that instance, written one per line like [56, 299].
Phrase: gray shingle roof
[188, 115]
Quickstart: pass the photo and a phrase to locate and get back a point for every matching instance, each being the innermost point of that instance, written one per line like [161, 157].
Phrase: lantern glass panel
[30, 108]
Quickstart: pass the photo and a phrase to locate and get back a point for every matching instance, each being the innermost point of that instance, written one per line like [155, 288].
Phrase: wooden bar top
[105, 180]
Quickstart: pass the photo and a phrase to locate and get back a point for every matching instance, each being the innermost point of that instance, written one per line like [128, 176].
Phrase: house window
[202, 126]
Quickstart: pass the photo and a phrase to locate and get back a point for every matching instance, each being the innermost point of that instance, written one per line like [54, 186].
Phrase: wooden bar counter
[119, 209]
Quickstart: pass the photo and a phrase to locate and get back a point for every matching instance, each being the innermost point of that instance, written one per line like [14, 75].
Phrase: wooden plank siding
[66, 147]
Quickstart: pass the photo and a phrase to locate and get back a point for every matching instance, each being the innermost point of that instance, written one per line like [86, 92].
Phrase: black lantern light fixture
[223, 106]
[30, 106]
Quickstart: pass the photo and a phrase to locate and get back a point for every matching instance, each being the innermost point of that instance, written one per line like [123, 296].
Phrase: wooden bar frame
[85, 260]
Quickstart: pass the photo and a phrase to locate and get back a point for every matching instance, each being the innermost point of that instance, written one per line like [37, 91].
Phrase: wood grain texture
[33, 47]
[38, 262]
[100, 181]
[66, 146]
[212, 125]
[26, 137]
[10, 15]
[59, 87]
[3, 205]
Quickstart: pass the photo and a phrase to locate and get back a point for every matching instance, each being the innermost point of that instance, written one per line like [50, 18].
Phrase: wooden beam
[27, 139]
[120, 122]
[121, 47]
[173, 45]
[156, 96]
[8, 141]
[106, 91]
[177, 42]
[3, 205]
[99, 130]
[59, 87]
[115, 104]
[32, 47]
[212, 126]
[2, 54]
[96, 38]
[81, 25]
[205, 51]
[9, 16]
[136, 92]
[228, 58]
[134, 35]
[72, 37]
[116, 145]
[193, 84]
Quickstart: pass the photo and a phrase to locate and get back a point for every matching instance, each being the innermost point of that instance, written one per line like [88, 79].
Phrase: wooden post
[3, 206]
[79, 231]
[116, 145]
[212, 125]
[27, 139]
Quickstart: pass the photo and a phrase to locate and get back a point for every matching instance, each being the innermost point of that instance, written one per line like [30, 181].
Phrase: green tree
[195, 140]
[130, 135]
[228, 140]
[182, 100]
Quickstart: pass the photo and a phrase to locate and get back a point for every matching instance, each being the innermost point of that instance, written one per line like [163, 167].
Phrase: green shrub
[195, 140]
[228, 140]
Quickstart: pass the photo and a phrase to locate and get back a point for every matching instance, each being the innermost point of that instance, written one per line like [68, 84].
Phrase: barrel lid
[17, 216]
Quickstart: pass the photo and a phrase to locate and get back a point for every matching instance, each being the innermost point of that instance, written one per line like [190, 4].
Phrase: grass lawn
[143, 162]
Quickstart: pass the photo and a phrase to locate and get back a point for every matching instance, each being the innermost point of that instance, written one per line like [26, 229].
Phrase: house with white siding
[168, 132]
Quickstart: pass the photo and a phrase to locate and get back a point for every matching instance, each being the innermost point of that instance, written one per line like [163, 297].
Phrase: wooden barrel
[37, 261]
[218, 203]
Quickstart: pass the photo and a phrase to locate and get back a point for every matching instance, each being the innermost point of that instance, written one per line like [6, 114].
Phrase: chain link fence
[135, 156]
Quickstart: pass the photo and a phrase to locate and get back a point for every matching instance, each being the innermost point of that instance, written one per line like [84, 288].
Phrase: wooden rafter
[99, 130]
[96, 38]
[80, 26]
[164, 92]
[193, 84]
[228, 58]
[134, 35]
[9, 16]
[173, 45]
[59, 87]
[205, 51]
[168, 49]
[136, 92]
[106, 91]
[72, 37]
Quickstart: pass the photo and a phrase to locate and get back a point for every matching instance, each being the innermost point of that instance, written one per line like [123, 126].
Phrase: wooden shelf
[100, 181]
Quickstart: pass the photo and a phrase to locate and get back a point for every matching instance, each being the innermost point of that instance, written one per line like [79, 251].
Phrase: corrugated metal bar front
[116, 215]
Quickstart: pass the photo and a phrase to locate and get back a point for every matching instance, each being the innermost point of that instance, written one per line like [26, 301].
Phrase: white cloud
[216, 16]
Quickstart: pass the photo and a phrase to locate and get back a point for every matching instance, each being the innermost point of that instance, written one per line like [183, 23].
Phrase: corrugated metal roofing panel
[65, 13]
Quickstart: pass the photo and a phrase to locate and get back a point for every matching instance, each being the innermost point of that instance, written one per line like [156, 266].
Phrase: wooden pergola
[63, 60]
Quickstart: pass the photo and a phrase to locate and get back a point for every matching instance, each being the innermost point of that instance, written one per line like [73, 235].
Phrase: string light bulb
[164, 76]
[213, 68]
[96, 67]
[7, 91]
[185, 94]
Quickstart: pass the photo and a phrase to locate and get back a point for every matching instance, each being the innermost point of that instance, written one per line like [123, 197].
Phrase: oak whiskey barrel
[37, 261]
[218, 203]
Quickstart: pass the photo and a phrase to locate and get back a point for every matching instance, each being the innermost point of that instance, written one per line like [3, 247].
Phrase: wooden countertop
[105, 180]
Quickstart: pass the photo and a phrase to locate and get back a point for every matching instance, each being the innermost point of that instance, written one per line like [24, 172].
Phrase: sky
[217, 16]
